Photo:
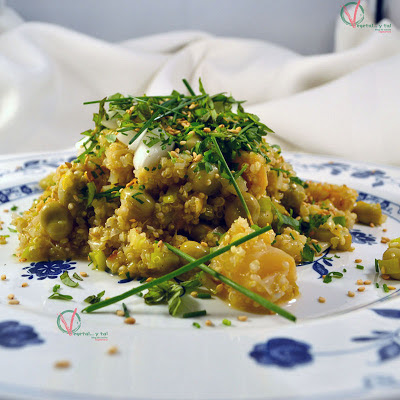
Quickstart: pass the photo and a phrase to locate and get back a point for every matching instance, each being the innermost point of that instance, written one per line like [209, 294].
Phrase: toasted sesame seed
[204, 244]
[13, 302]
[24, 284]
[367, 282]
[10, 296]
[62, 364]
[112, 350]
[242, 318]
[358, 260]
[106, 298]
[6, 211]
[385, 239]
[83, 274]
[130, 320]
[207, 130]
[120, 313]
[208, 323]
[323, 276]
[149, 279]
[321, 299]
[350, 293]
[361, 289]
[391, 287]
[385, 277]
[384, 230]
[194, 294]
[372, 225]
[359, 282]
[3, 277]
[182, 142]
[219, 288]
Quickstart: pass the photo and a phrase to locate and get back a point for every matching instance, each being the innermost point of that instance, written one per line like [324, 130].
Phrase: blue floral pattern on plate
[362, 237]
[48, 269]
[14, 335]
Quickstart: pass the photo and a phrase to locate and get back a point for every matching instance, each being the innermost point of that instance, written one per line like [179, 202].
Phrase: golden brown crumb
[242, 318]
[13, 302]
[361, 289]
[321, 299]
[10, 296]
[120, 313]
[130, 320]
[358, 260]
[24, 284]
[83, 274]
[3, 277]
[112, 350]
[367, 282]
[208, 323]
[385, 239]
[350, 293]
[62, 364]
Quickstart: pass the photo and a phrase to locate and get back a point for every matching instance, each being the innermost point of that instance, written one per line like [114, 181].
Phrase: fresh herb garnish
[76, 276]
[330, 275]
[14, 208]
[385, 288]
[94, 299]
[196, 325]
[359, 266]
[58, 296]
[126, 311]
[315, 221]
[307, 254]
[194, 314]
[341, 220]
[12, 230]
[226, 322]
[66, 280]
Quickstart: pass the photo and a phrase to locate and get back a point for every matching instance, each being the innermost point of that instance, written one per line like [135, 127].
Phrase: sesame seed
[323, 276]
[194, 294]
[130, 320]
[10, 296]
[359, 282]
[120, 313]
[385, 239]
[149, 279]
[242, 318]
[384, 230]
[3, 277]
[62, 364]
[204, 244]
[361, 289]
[350, 293]
[385, 277]
[13, 302]
[207, 130]
[372, 225]
[321, 299]
[182, 142]
[112, 350]
[6, 211]
[391, 288]
[106, 298]
[83, 274]
[367, 282]
[24, 284]
[358, 260]
[208, 323]
[219, 288]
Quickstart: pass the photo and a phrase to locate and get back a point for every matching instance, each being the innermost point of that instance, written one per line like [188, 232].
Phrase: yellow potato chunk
[256, 265]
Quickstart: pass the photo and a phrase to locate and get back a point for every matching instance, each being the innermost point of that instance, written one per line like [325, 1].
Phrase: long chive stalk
[253, 296]
[177, 272]
[232, 179]
[188, 87]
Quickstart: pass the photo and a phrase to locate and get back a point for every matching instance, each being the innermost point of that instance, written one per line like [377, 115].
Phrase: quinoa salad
[187, 186]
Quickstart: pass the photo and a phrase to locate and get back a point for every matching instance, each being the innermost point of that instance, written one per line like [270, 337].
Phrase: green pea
[56, 220]
[203, 181]
[194, 249]
[234, 210]
[140, 203]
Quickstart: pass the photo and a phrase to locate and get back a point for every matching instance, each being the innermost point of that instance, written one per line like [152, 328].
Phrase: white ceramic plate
[344, 348]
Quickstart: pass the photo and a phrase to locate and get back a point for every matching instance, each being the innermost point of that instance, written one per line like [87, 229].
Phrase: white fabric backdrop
[345, 103]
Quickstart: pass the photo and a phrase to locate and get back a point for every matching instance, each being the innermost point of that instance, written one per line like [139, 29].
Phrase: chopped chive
[359, 267]
[203, 295]
[187, 268]
[194, 314]
[377, 284]
[126, 311]
[196, 325]
[143, 280]
[385, 288]
[188, 87]
[336, 256]
[376, 265]
[14, 208]
[226, 322]
[344, 270]
[291, 235]
[59, 296]
[76, 276]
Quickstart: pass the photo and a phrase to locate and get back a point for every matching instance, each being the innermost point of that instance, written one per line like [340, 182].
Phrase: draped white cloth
[346, 103]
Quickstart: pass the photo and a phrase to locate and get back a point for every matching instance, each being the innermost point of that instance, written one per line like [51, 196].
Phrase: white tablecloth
[346, 103]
